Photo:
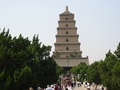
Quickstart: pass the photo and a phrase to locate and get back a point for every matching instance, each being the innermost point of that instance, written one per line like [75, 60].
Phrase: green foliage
[2, 76]
[110, 61]
[117, 52]
[21, 77]
[56, 55]
[59, 70]
[74, 70]
[46, 74]
[93, 74]
[116, 75]
[106, 71]
[25, 63]
[81, 70]
[74, 55]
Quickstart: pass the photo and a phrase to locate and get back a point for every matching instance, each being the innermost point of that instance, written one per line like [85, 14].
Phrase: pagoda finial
[66, 8]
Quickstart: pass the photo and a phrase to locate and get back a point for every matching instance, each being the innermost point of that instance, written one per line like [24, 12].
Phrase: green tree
[81, 70]
[116, 75]
[22, 78]
[74, 55]
[56, 55]
[25, 63]
[117, 52]
[93, 74]
[105, 69]
[59, 70]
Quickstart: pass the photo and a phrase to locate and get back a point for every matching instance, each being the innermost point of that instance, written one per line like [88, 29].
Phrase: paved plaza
[79, 88]
[91, 88]
[82, 88]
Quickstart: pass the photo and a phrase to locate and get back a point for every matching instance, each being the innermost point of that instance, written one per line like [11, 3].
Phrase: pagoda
[67, 47]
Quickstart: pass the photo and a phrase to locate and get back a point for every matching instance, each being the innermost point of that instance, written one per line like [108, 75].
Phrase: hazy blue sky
[98, 22]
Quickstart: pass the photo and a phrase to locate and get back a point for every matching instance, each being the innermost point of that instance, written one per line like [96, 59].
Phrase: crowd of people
[71, 86]
[54, 87]
[65, 84]
[68, 84]
[87, 86]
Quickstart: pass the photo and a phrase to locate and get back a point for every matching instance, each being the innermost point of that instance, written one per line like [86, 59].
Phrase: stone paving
[82, 88]
[79, 88]
[91, 88]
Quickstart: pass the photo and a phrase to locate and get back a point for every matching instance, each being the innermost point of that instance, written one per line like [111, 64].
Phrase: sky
[98, 22]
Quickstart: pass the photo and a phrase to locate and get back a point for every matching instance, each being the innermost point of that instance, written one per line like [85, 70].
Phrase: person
[66, 88]
[88, 88]
[52, 86]
[84, 84]
[69, 87]
[38, 88]
[30, 88]
[49, 88]
[101, 87]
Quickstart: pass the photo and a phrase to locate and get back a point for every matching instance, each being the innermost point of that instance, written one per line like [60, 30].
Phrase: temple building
[67, 46]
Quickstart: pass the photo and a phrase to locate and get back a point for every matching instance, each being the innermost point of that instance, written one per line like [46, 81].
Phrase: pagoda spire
[66, 9]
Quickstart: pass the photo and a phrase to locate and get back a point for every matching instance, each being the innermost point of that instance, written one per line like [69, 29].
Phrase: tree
[21, 77]
[116, 69]
[74, 70]
[25, 62]
[105, 69]
[93, 74]
[59, 70]
[117, 52]
[74, 55]
[81, 70]
[56, 55]
[116, 75]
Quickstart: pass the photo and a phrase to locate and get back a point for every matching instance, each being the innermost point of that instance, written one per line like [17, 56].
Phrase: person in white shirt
[101, 87]
[49, 88]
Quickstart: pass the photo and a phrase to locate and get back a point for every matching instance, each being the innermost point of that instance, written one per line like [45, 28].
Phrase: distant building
[67, 47]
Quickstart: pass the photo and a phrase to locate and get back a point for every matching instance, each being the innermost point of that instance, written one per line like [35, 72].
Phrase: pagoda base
[70, 62]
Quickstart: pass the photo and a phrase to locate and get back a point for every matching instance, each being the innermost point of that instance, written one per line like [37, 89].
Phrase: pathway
[91, 88]
[82, 88]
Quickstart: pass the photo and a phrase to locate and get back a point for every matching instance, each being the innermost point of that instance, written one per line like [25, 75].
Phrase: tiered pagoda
[67, 47]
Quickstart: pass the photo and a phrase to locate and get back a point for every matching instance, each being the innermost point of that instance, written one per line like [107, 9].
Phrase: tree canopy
[25, 63]
[106, 72]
